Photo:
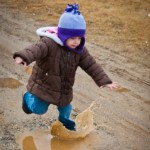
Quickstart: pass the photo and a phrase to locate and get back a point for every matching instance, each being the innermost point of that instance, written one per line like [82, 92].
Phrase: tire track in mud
[13, 23]
[137, 128]
[129, 76]
[120, 66]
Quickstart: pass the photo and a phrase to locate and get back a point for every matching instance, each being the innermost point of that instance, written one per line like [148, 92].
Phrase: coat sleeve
[89, 65]
[33, 52]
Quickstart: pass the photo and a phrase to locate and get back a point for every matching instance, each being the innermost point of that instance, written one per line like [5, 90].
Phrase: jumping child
[57, 56]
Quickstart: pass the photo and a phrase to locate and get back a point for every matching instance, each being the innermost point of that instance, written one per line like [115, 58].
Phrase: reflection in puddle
[9, 83]
[28, 143]
[122, 89]
[28, 70]
[80, 144]
[42, 140]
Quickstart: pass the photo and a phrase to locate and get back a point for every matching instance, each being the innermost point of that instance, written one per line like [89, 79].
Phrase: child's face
[73, 42]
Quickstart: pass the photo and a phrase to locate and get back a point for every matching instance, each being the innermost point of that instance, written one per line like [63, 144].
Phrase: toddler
[57, 56]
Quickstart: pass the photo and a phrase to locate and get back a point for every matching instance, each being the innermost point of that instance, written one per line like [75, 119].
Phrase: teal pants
[33, 104]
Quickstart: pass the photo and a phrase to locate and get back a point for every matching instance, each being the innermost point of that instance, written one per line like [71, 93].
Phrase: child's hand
[112, 86]
[20, 61]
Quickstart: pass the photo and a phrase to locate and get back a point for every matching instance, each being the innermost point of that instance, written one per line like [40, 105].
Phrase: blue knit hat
[72, 24]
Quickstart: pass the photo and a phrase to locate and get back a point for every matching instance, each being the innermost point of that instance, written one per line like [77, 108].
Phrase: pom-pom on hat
[72, 24]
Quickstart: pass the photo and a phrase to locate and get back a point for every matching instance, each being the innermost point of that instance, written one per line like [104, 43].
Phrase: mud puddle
[58, 137]
[9, 83]
[42, 139]
[13, 83]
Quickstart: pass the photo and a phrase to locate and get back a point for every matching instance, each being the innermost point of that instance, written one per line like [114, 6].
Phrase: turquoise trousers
[33, 104]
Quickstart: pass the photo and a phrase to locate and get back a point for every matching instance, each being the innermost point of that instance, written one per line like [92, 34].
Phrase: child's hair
[72, 24]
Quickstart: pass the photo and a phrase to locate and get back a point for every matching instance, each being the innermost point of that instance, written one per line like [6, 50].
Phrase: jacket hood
[50, 32]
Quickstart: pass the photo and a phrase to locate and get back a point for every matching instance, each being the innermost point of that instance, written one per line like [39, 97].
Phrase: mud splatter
[28, 70]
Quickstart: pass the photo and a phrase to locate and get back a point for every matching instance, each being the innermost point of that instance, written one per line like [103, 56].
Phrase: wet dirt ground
[121, 118]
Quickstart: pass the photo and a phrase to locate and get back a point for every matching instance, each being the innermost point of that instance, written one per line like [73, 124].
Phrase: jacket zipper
[66, 71]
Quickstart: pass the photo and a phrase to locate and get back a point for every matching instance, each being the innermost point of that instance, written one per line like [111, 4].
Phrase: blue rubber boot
[64, 114]
[33, 104]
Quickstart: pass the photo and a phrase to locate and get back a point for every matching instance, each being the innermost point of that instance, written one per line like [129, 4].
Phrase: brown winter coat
[53, 74]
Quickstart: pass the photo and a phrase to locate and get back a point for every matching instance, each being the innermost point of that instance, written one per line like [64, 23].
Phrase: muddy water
[122, 89]
[28, 70]
[28, 143]
[58, 137]
[9, 83]
[84, 125]
[42, 140]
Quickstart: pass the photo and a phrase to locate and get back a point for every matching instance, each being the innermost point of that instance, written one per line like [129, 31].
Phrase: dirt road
[122, 118]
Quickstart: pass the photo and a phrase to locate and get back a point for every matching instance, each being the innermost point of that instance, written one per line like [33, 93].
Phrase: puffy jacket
[53, 73]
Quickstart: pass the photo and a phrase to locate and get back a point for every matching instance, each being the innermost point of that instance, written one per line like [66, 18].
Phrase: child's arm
[33, 52]
[112, 86]
[91, 67]
[20, 61]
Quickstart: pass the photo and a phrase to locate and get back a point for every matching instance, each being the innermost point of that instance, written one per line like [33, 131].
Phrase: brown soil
[118, 38]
